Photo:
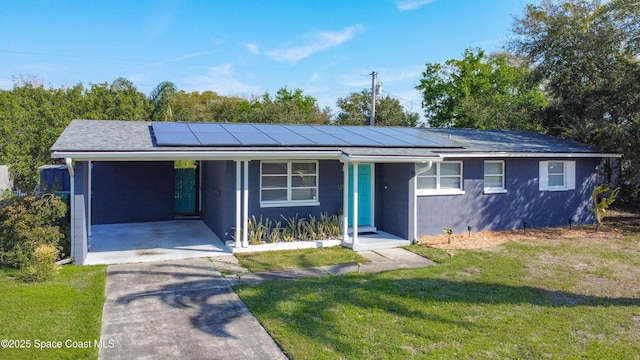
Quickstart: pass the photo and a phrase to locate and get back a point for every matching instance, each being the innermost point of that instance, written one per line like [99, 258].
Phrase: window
[441, 179]
[288, 183]
[557, 175]
[494, 177]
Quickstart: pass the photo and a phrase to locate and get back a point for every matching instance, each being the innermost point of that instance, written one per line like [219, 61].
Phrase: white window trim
[438, 191]
[569, 176]
[495, 190]
[289, 202]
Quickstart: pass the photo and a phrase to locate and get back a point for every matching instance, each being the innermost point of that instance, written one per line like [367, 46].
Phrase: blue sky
[327, 48]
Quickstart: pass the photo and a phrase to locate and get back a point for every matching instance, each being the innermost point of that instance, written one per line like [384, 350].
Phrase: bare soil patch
[616, 225]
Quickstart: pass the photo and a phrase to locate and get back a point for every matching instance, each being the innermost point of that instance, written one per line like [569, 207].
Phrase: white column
[355, 203]
[72, 204]
[89, 197]
[238, 203]
[245, 206]
[345, 202]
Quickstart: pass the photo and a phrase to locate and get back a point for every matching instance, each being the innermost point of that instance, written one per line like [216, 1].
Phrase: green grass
[575, 298]
[291, 259]
[68, 307]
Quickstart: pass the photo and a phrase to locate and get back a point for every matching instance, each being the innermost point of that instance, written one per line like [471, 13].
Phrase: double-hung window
[440, 179]
[288, 183]
[494, 177]
[556, 175]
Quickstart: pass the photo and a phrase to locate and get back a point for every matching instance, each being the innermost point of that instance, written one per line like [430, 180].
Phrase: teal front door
[186, 191]
[365, 195]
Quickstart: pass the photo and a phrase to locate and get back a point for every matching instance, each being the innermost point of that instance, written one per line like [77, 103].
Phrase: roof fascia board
[529, 155]
[194, 155]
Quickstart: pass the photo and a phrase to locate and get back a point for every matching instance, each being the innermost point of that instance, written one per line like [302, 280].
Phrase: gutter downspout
[415, 201]
[68, 162]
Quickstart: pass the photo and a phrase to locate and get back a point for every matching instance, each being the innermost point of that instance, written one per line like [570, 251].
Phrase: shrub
[601, 206]
[26, 223]
[295, 228]
[43, 264]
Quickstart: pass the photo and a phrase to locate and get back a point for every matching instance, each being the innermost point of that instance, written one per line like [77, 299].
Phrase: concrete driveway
[181, 309]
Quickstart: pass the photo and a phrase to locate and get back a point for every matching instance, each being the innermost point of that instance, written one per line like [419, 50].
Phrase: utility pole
[374, 78]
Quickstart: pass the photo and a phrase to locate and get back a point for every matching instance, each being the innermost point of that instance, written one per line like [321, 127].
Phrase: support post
[89, 197]
[72, 203]
[237, 233]
[355, 203]
[374, 78]
[345, 202]
[245, 205]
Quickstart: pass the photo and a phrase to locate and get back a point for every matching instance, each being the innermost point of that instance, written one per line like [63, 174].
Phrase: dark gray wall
[218, 197]
[329, 193]
[523, 202]
[125, 192]
[392, 198]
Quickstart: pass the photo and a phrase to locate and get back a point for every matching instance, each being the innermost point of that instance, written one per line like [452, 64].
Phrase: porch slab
[377, 240]
[153, 241]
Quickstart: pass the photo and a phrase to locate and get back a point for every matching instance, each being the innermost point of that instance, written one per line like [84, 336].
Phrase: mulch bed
[617, 224]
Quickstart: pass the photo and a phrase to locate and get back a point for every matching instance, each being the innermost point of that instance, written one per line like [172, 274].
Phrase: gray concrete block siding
[523, 201]
[218, 193]
[329, 194]
[392, 198]
[143, 191]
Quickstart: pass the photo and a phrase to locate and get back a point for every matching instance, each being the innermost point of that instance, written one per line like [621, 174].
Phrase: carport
[152, 241]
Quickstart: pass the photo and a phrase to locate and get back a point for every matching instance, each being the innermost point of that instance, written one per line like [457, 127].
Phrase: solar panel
[386, 140]
[216, 134]
[176, 138]
[170, 127]
[206, 127]
[317, 136]
[255, 139]
[283, 135]
[239, 128]
[333, 130]
[429, 139]
[217, 139]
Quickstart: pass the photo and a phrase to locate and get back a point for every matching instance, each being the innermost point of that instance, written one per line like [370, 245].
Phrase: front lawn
[292, 259]
[562, 298]
[65, 312]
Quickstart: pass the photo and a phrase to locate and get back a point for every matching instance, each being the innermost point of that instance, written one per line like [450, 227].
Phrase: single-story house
[410, 181]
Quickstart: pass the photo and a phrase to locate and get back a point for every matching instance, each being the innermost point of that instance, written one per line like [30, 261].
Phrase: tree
[481, 92]
[118, 101]
[193, 106]
[231, 109]
[31, 119]
[288, 107]
[355, 109]
[586, 53]
[160, 99]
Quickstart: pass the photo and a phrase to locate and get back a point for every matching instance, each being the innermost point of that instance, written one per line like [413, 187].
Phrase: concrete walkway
[187, 309]
[180, 309]
[381, 260]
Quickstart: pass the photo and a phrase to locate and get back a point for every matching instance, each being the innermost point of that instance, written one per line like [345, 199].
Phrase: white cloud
[316, 42]
[252, 48]
[181, 58]
[407, 5]
[222, 80]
